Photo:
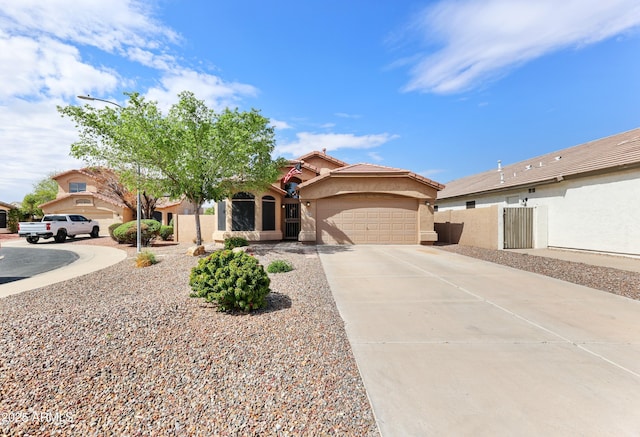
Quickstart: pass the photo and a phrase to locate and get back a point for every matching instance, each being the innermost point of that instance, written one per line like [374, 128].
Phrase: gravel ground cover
[620, 282]
[125, 351]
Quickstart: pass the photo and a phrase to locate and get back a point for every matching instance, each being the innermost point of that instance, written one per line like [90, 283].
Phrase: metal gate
[291, 220]
[518, 228]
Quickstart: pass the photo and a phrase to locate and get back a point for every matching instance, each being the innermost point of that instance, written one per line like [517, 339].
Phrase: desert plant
[233, 280]
[112, 228]
[166, 232]
[279, 266]
[126, 233]
[145, 259]
[230, 243]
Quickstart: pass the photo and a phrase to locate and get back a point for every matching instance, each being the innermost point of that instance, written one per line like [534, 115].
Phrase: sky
[442, 88]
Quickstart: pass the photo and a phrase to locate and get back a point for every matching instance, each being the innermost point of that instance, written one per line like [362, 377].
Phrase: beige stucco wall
[65, 180]
[320, 163]
[398, 186]
[184, 228]
[476, 227]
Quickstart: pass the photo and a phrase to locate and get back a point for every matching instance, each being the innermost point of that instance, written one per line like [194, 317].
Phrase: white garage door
[367, 221]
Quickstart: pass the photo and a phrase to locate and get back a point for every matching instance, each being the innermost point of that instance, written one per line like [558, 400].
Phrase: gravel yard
[621, 282]
[125, 351]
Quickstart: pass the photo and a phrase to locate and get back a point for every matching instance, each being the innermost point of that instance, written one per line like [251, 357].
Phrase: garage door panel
[367, 221]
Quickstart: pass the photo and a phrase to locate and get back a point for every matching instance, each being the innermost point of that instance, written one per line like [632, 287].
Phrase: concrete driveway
[450, 345]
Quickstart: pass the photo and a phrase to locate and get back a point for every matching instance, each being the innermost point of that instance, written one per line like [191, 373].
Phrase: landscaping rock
[196, 251]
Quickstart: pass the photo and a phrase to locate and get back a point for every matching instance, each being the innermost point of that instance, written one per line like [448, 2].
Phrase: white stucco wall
[599, 213]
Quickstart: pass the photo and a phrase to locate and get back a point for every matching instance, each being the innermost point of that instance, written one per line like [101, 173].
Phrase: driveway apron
[451, 345]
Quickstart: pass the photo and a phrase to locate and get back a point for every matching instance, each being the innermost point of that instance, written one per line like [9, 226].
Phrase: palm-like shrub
[233, 242]
[233, 280]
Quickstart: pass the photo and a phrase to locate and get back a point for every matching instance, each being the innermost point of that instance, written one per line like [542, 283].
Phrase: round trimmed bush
[126, 233]
[233, 280]
[166, 232]
[112, 228]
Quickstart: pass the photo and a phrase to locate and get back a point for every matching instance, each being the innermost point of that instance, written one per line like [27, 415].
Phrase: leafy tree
[192, 151]
[44, 191]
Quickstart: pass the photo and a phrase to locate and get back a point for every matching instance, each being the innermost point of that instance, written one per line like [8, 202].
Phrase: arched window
[243, 212]
[291, 186]
[268, 213]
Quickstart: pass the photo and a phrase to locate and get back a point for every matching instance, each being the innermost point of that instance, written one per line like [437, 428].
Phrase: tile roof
[611, 153]
[363, 169]
[324, 156]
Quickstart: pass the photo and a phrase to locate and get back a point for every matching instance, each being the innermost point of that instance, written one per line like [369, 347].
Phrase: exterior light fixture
[308, 203]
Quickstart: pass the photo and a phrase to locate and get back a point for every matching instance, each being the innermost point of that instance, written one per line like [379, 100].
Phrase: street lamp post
[138, 211]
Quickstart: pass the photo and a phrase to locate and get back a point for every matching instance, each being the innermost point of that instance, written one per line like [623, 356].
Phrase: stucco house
[80, 191]
[320, 199]
[584, 197]
[4, 217]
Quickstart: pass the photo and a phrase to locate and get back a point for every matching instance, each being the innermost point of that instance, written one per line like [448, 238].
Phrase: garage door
[367, 221]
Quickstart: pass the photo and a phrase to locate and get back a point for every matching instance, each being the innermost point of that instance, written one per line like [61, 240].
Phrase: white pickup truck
[58, 226]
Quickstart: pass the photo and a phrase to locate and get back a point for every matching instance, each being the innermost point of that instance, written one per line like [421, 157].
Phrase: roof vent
[499, 165]
[502, 178]
[528, 167]
[540, 165]
[558, 158]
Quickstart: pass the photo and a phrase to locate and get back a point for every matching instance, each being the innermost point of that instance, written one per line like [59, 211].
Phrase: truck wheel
[60, 236]
[95, 232]
[32, 240]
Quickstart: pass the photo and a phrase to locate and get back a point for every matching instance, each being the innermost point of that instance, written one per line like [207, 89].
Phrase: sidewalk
[91, 259]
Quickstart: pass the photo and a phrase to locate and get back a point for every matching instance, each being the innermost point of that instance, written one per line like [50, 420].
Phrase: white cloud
[308, 142]
[35, 141]
[280, 125]
[217, 93]
[53, 50]
[346, 115]
[482, 39]
[431, 172]
[375, 156]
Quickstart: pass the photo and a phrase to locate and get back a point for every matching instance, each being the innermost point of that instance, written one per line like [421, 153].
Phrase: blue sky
[442, 88]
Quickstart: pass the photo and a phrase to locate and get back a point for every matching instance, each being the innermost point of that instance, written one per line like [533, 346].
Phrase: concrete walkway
[451, 345]
[90, 259]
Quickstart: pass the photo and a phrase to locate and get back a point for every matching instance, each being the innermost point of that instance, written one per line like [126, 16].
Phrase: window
[222, 215]
[243, 209]
[471, 204]
[77, 187]
[435, 208]
[3, 219]
[532, 190]
[290, 188]
[268, 213]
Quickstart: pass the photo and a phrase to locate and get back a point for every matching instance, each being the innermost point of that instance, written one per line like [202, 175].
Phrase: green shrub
[145, 259]
[233, 280]
[279, 266]
[113, 228]
[126, 233]
[166, 232]
[232, 242]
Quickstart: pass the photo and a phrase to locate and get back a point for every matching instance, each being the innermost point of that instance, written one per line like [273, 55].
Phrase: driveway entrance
[450, 345]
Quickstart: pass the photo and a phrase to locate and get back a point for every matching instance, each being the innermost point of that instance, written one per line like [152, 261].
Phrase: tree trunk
[198, 231]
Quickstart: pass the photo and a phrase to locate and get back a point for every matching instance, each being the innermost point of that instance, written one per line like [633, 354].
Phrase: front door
[291, 219]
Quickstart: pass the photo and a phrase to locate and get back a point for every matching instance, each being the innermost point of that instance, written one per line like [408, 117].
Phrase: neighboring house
[4, 217]
[81, 192]
[584, 197]
[327, 201]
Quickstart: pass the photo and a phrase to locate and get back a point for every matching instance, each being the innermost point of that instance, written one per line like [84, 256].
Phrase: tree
[192, 152]
[208, 156]
[44, 191]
